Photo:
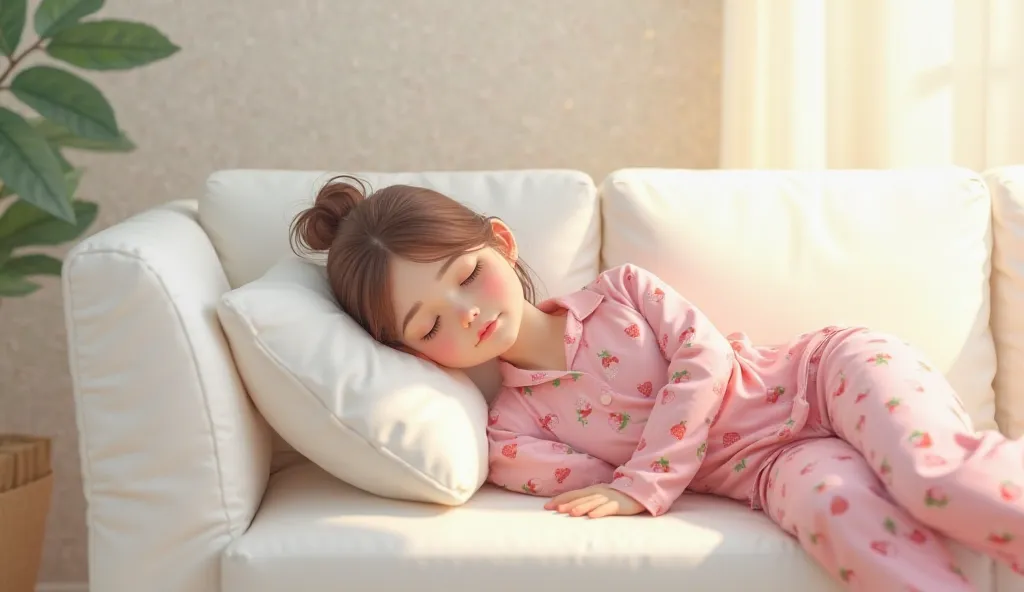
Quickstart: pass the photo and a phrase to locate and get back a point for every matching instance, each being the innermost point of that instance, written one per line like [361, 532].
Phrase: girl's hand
[595, 501]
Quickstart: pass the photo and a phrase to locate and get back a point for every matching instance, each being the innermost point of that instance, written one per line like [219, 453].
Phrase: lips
[487, 331]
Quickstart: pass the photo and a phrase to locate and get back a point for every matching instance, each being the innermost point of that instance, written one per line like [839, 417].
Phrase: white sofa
[189, 491]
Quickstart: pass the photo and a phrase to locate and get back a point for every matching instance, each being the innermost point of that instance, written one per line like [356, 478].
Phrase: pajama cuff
[654, 504]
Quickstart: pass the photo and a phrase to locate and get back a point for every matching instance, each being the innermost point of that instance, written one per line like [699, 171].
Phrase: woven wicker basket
[26, 485]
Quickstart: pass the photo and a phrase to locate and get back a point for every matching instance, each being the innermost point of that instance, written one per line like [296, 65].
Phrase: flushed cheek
[493, 287]
[443, 349]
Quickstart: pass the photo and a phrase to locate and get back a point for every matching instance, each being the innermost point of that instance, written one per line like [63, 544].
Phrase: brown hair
[361, 230]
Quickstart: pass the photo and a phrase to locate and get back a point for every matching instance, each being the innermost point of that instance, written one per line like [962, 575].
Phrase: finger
[569, 505]
[589, 504]
[569, 499]
[561, 499]
[611, 508]
[566, 497]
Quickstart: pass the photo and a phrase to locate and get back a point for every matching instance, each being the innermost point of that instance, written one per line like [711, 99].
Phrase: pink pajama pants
[895, 462]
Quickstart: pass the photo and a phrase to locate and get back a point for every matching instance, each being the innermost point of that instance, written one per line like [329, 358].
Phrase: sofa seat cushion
[314, 533]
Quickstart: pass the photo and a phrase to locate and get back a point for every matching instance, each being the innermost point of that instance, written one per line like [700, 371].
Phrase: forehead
[410, 280]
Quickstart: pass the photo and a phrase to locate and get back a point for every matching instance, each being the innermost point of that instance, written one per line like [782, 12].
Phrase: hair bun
[318, 225]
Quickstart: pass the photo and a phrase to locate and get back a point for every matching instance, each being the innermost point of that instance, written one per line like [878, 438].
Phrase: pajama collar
[580, 305]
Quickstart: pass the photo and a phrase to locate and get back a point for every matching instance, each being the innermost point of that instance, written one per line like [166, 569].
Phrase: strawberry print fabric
[905, 465]
[656, 401]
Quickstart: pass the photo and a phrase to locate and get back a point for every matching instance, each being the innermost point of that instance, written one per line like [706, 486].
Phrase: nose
[469, 314]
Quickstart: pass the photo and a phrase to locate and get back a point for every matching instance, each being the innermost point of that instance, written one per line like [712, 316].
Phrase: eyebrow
[418, 304]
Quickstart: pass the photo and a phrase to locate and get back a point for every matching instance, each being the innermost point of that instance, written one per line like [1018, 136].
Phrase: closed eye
[472, 276]
[433, 330]
[437, 322]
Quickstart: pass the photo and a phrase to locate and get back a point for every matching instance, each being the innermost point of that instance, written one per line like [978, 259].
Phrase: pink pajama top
[655, 400]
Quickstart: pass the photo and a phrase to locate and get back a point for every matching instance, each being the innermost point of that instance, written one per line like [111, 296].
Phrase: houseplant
[38, 207]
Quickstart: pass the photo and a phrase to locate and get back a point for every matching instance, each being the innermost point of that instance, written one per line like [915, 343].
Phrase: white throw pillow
[381, 420]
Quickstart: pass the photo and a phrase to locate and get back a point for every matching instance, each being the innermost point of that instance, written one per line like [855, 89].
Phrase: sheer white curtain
[872, 83]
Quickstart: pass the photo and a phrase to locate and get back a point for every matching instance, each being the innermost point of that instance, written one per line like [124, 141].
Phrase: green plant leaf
[29, 167]
[15, 285]
[12, 23]
[65, 166]
[72, 175]
[54, 15]
[23, 225]
[110, 44]
[60, 136]
[68, 100]
[34, 264]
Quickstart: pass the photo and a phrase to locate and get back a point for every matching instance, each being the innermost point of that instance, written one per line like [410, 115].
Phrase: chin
[483, 358]
[502, 343]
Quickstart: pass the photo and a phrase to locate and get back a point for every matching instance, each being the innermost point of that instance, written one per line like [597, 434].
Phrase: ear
[506, 239]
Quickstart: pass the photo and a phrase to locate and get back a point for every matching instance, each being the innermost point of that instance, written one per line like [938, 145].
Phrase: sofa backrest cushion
[553, 214]
[777, 253]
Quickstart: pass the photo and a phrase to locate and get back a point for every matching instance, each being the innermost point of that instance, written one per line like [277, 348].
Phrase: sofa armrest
[1007, 188]
[175, 458]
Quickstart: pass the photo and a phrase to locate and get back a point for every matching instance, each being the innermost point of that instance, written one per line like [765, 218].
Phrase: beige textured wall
[367, 84]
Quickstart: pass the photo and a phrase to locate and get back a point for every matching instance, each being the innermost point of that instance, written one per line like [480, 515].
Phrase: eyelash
[472, 276]
[437, 322]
